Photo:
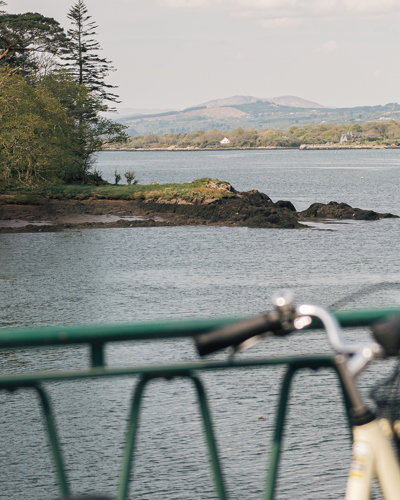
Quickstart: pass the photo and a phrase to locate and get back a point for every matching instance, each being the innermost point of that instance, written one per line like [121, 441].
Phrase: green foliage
[130, 177]
[355, 128]
[25, 199]
[24, 34]
[200, 188]
[377, 132]
[35, 134]
[117, 177]
[90, 129]
[51, 124]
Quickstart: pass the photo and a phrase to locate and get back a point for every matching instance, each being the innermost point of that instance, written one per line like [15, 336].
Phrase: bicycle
[374, 438]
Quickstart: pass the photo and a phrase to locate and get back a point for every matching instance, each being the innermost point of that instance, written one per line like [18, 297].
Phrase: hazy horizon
[174, 54]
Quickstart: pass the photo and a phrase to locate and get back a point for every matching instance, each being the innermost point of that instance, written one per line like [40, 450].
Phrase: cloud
[280, 22]
[243, 14]
[196, 4]
[281, 14]
[330, 46]
[241, 56]
[276, 9]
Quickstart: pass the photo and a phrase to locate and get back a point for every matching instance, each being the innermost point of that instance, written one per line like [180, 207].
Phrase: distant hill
[134, 112]
[249, 112]
[295, 102]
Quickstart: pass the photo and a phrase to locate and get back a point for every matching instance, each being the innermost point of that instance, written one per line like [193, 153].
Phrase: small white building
[225, 140]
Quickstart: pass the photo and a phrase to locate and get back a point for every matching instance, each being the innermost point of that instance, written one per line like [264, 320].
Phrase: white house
[225, 140]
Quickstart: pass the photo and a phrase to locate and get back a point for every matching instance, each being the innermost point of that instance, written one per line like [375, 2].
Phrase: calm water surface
[127, 275]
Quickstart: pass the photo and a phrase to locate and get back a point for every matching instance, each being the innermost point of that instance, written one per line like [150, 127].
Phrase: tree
[89, 129]
[356, 128]
[89, 71]
[77, 102]
[1, 4]
[81, 53]
[35, 134]
[29, 32]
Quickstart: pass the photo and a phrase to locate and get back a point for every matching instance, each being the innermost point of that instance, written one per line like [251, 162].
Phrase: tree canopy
[35, 134]
[50, 118]
[29, 32]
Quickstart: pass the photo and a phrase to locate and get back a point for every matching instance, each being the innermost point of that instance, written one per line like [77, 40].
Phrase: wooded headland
[373, 134]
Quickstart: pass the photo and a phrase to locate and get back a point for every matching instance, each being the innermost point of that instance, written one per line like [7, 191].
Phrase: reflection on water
[124, 275]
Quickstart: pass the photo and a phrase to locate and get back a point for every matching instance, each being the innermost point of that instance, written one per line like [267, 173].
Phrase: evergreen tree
[81, 53]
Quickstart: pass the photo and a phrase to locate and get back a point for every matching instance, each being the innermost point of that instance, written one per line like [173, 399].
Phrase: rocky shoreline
[246, 209]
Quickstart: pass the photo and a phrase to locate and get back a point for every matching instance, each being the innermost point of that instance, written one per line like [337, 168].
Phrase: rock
[285, 204]
[335, 210]
[250, 209]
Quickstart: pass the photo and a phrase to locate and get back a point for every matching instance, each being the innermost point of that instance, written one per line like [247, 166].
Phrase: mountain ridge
[292, 101]
[251, 113]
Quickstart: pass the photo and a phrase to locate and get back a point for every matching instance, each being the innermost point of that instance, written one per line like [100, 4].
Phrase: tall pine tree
[82, 56]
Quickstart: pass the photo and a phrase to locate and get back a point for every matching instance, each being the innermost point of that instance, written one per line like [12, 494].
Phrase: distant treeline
[385, 133]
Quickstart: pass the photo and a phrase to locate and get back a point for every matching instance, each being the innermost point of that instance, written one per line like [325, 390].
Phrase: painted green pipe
[98, 334]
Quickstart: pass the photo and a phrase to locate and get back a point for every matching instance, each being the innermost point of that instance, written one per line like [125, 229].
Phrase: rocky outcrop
[250, 209]
[334, 210]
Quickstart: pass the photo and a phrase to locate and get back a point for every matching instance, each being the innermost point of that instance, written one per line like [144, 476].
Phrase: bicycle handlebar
[237, 333]
[281, 322]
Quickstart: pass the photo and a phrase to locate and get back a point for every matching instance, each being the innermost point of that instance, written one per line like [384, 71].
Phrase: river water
[127, 275]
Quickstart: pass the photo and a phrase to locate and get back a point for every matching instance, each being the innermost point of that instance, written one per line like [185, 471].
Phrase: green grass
[200, 188]
[25, 199]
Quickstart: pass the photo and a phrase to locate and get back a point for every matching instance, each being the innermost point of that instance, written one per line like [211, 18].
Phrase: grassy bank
[200, 188]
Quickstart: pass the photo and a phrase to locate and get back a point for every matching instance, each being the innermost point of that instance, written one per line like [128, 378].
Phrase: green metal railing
[98, 336]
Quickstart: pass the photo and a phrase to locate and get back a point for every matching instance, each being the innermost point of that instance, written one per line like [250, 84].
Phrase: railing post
[278, 433]
[212, 446]
[97, 354]
[131, 440]
[54, 443]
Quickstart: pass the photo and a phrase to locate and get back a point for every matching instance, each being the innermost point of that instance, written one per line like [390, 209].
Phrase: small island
[201, 202]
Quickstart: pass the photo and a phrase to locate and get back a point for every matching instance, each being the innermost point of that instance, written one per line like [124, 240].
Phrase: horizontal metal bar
[34, 337]
[165, 371]
[89, 334]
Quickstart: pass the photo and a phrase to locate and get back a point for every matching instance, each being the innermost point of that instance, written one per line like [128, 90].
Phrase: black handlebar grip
[387, 333]
[237, 333]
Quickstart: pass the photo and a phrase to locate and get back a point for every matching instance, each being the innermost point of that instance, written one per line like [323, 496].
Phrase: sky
[173, 54]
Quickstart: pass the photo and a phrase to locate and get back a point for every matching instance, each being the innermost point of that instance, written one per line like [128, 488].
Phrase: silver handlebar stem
[362, 354]
[332, 327]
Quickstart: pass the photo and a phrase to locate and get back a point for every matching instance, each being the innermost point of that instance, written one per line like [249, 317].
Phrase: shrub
[117, 177]
[130, 177]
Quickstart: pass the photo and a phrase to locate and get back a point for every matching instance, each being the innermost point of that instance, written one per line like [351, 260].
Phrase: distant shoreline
[303, 147]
